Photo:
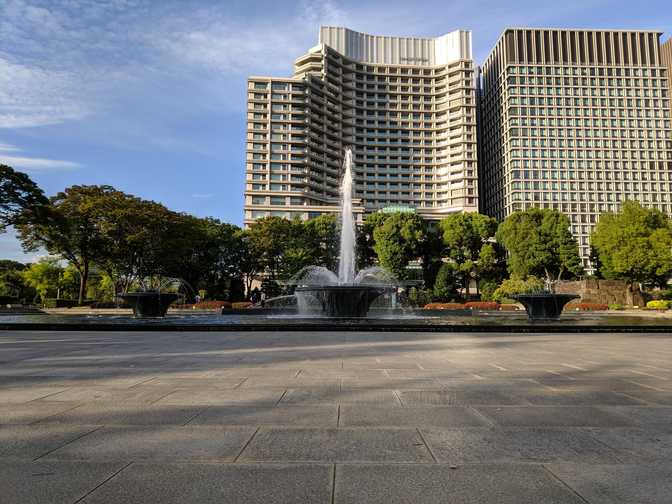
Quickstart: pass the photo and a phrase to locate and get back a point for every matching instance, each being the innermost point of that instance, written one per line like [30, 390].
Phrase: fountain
[348, 294]
[152, 300]
[546, 304]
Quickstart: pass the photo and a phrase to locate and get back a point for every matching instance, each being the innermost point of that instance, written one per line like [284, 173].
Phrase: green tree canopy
[634, 244]
[21, 200]
[540, 243]
[365, 240]
[400, 239]
[69, 228]
[45, 276]
[468, 241]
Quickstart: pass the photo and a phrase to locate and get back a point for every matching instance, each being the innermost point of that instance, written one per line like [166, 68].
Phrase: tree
[21, 200]
[467, 238]
[365, 240]
[45, 276]
[69, 228]
[540, 243]
[448, 281]
[321, 238]
[634, 245]
[398, 240]
[267, 239]
[12, 283]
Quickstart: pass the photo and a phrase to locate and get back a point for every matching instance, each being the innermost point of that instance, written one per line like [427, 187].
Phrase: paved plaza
[335, 417]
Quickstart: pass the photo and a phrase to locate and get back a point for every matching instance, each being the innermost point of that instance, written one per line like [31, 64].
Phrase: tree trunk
[83, 278]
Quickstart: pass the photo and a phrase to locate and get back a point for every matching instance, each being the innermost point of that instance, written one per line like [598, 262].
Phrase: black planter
[149, 303]
[343, 300]
[544, 306]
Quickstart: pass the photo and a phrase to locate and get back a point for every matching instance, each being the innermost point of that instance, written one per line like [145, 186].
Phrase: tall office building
[576, 120]
[406, 106]
[666, 57]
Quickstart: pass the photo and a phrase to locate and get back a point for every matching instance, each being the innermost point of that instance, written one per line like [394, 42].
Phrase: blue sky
[149, 95]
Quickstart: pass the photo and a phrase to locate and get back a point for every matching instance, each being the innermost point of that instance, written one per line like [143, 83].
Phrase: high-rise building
[666, 57]
[575, 120]
[406, 106]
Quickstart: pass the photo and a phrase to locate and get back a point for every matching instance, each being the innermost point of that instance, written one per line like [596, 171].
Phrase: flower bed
[205, 305]
[587, 307]
[482, 305]
[444, 306]
[509, 307]
[658, 304]
[241, 305]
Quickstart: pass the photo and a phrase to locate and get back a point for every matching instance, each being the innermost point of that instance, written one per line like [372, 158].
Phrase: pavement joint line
[67, 443]
[48, 395]
[338, 417]
[56, 414]
[431, 453]
[241, 383]
[333, 486]
[196, 415]
[398, 397]
[643, 401]
[163, 396]
[497, 367]
[245, 445]
[482, 416]
[644, 385]
[142, 382]
[564, 484]
[574, 367]
[101, 484]
[646, 374]
[655, 367]
[281, 398]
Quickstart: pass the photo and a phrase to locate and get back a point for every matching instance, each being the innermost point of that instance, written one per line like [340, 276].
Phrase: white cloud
[8, 148]
[37, 164]
[209, 40]
[32, 96]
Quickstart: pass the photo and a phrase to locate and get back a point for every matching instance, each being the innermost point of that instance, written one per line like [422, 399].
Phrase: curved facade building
[406, 106]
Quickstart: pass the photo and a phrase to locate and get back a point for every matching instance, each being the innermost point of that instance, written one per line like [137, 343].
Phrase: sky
[149, 95]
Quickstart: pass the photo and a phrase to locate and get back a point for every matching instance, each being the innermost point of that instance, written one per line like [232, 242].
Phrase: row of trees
[125, 240]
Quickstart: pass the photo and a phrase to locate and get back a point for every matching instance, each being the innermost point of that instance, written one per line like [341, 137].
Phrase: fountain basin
[149, 303]
[545, 305]
[343, 300]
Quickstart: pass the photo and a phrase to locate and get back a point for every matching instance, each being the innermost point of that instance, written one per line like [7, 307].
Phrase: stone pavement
[331, 417]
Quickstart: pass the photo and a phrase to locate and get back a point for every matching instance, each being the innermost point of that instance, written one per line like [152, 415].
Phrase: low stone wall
[602, 291]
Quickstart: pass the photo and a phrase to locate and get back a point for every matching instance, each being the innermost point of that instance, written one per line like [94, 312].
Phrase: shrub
[514, 285]
[586, 306]
[419, 297]
[447, 282]
[59, 303]
[487, 289]
[5, 300]
[482, 305]
[616, 306]
[658, 304]
[109, 304]
[444, 306]
[241, 305]
[209, 305]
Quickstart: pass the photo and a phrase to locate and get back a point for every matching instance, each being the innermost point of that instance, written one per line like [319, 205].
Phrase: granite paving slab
[314, 415]
[126, 414]
[413, 417]
[157, 443]
[12, 395]
[618, 484]
[336, 445]
[32, 412]
[552, 416]
[250, 397]
[29, 442]
[217, 484]
[480, 446]
[431, 484]
[659, 416]
[326, 395]
[52, 483]
[126, 395]
[460, 397]
[638, 444]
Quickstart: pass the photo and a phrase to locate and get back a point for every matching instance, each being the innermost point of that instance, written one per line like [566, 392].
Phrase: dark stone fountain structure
[343, 300]
[544, 305]
[149, 303]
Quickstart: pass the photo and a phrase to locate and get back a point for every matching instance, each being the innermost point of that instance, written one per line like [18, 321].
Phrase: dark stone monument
[149, 303]
[544, 305]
